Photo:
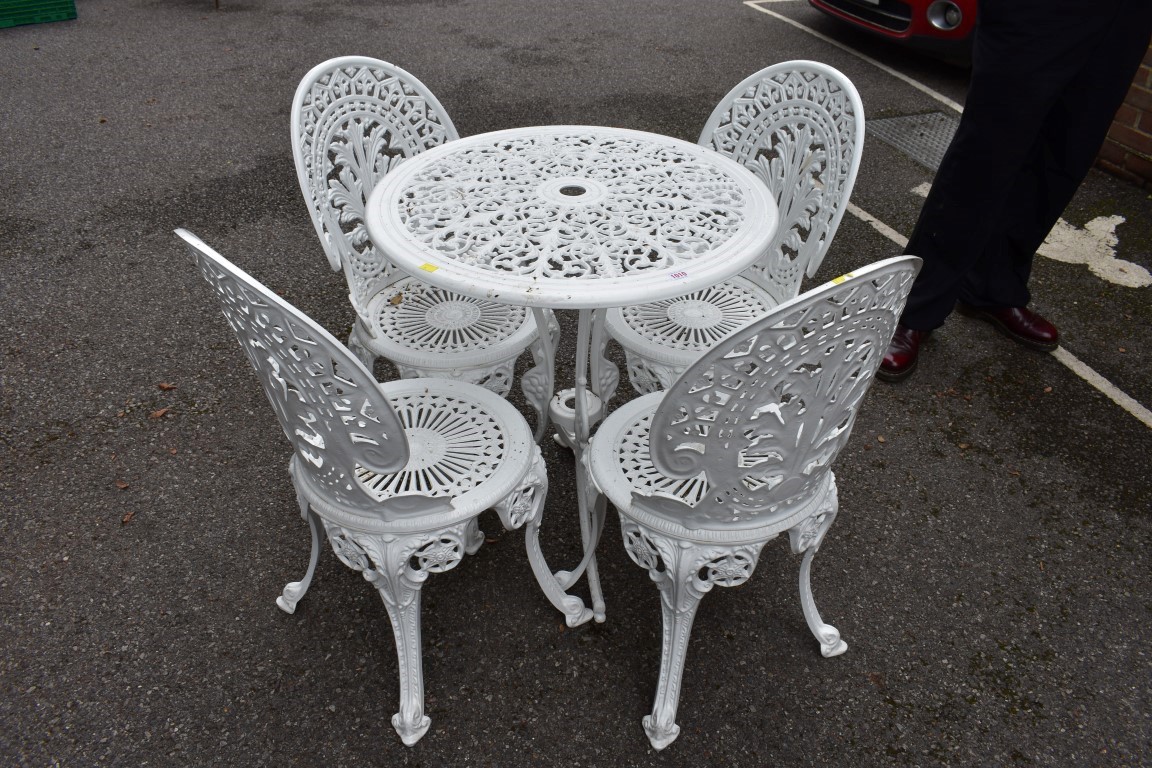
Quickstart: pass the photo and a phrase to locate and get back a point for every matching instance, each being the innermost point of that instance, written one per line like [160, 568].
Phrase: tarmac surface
[989, 568]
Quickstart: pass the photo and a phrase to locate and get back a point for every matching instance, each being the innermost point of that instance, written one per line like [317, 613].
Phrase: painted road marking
[1073, 363]
[758, 5]
[1094, 246]
[1110, 390]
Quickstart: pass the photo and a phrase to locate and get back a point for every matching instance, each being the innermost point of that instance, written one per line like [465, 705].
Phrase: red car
[939, 26]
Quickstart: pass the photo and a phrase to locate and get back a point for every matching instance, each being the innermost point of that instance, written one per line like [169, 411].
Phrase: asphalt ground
[988, 570]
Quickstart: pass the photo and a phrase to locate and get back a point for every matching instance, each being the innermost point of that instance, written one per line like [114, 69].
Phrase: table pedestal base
[562, 412]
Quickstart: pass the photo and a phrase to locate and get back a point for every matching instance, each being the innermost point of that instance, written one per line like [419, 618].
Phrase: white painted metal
[739, 449]
[571, 216]
[799, 127]
[354, 119]
[574, 217]
[396, 473]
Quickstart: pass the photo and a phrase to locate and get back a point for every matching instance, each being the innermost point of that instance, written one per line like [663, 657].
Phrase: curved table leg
[586, 497]
[574, 412]
[605, 373]
[524, 508]
[539, 382]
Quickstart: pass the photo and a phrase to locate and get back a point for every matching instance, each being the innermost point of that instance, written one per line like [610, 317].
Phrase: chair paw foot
[830, 642]
[661, 735]
[410, 733]
[291, 595]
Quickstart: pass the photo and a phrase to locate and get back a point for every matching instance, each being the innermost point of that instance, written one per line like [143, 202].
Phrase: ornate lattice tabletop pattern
[571, 216]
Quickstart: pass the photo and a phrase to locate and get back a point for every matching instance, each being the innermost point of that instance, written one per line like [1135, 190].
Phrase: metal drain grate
[924, 138]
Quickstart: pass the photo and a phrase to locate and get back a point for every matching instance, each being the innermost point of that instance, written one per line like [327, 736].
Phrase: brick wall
[1127, 152]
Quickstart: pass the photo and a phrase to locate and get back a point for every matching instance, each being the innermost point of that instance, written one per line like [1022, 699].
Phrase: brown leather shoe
[1020, 324]
[900, 360]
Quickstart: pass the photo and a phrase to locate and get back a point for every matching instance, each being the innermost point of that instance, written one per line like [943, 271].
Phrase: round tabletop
[571, 216]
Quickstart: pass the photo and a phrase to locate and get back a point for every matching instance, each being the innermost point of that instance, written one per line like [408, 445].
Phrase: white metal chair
[353, 119]
[396, 473]
[799, 127]
[739, 449]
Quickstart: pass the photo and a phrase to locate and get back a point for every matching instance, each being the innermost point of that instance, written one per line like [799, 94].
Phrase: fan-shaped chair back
[353, 119]
[343, 429]
[749, 432]
[799, 126]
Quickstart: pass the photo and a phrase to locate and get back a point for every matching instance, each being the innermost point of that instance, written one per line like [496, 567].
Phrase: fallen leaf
[166, 386]
[1047, 389]
[172, 451]
[127, 518]
[396, 300]
[159, 414]
[963, 446]
[121, 484]
[880, 439]
[1122, 349]
[121, 414]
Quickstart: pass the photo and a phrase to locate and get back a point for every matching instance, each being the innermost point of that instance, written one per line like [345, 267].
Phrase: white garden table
[572, 217]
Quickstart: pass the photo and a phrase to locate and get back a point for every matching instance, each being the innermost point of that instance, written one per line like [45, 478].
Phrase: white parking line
[878, 225]
[759, 6]
[1109, 390]
[1073, 363]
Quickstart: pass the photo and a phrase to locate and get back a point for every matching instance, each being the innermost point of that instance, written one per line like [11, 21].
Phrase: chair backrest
[353, 119]
[340, 424]
[751, 429]
[799, 126]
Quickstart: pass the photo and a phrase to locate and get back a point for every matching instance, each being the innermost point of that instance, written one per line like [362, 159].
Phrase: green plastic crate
[16, 12]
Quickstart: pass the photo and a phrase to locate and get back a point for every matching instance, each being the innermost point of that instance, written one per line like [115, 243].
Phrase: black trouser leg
[1040, 102]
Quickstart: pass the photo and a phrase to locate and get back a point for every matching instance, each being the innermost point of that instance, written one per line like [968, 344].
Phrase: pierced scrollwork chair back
[395, 473]
[799, 127]
[353, 120]
[341, 426]
[740, 449]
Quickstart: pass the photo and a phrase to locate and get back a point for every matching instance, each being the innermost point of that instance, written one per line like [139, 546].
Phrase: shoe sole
[979, 314]
[894, 378]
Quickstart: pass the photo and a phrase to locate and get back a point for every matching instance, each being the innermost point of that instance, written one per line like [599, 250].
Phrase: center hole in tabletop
[573, 190]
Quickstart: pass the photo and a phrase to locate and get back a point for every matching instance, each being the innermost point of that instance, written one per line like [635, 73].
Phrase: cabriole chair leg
[397, 566]
[805, 538]
[294, 591]
[683, 572]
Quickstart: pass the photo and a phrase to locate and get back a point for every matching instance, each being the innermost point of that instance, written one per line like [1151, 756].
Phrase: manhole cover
[924, 138]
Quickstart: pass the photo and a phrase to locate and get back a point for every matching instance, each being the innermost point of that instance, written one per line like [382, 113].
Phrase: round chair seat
[425, 327]
[662, 338]
[467, 446]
